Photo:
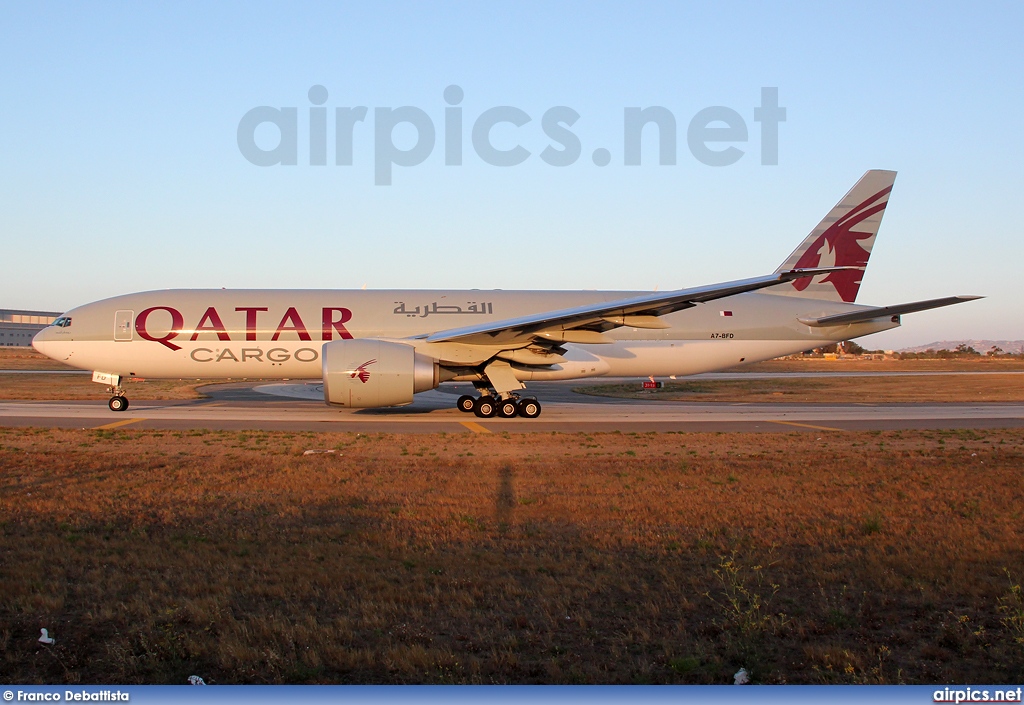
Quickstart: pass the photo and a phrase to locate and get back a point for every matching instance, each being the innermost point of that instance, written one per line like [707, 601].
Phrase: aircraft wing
[868, 314]
[585, 324]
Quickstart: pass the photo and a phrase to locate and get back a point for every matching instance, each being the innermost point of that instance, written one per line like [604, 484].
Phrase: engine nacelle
[368, 373]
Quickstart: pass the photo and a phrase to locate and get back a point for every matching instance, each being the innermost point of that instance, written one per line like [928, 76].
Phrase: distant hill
[983, 346]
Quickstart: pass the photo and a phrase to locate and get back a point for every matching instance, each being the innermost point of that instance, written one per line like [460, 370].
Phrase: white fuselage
[278, 334]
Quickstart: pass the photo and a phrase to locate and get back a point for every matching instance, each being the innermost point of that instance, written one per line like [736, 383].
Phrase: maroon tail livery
[842, 239]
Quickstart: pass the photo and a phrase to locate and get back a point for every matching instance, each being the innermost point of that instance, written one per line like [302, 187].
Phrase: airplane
[380, 348]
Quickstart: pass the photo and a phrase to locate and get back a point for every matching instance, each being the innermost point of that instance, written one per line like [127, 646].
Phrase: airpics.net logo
[712, 134]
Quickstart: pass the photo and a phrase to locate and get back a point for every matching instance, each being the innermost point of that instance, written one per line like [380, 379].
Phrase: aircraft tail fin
[843, 238]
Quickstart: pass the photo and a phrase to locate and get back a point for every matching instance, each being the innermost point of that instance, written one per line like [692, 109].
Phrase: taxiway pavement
[299, 407]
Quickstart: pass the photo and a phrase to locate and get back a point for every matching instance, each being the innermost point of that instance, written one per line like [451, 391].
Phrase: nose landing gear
[118, 401]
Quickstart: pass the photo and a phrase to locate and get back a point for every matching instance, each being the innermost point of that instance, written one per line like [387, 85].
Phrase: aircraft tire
[484, 407]
[465, 403]
[508, 408]
[118, 403]
[529, 408]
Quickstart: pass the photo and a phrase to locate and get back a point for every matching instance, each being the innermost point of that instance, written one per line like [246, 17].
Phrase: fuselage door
[123, 325]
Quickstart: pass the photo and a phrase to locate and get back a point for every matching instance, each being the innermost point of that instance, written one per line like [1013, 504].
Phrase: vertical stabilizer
[843, 238]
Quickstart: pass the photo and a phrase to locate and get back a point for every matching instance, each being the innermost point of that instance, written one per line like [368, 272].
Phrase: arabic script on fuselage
[436, 309]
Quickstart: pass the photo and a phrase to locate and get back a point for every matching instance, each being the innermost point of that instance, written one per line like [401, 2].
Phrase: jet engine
[368, 373]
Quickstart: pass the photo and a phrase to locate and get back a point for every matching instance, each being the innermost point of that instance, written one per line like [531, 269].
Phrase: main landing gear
[496, 386]
[487, 406]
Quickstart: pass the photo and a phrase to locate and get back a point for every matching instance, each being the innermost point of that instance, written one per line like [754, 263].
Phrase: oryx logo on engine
[361, 372]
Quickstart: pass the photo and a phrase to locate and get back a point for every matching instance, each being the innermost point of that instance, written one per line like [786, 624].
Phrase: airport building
[18, 327]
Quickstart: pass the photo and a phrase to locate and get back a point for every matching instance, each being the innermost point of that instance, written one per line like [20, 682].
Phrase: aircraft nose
[42, 340]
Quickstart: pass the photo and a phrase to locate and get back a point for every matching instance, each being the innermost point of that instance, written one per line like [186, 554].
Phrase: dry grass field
[28, 359]
[993, 387]
[45, 387]
[953, 388]
[868, 390]
[558, 558]
[49, 387]
[962, 364]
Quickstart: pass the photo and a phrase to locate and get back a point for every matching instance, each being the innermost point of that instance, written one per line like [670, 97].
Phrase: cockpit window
[63, 322]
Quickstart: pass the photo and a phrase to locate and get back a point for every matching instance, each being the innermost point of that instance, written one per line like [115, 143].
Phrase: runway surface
[300, 407]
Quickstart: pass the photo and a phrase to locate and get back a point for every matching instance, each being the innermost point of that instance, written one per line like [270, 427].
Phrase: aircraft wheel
[465, 403]
[484, 407]
[118, 403]
[508, 408]
[529, 408]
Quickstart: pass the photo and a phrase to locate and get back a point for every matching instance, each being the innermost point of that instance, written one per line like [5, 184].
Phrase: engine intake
[369, 373]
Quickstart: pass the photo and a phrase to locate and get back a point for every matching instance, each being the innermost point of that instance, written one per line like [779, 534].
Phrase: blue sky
[122, 172]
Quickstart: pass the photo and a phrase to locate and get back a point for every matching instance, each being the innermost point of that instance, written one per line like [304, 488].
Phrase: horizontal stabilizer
[870, 314]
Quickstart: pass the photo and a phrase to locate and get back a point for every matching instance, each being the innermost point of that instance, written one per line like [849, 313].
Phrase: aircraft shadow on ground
[399, 410]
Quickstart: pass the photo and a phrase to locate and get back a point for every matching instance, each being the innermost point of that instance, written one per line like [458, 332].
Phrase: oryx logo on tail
[840, 246]
[842, 239]
[361, 372]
